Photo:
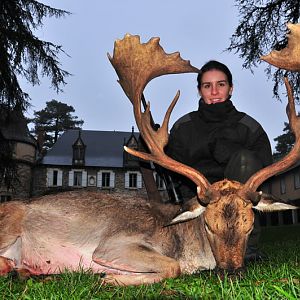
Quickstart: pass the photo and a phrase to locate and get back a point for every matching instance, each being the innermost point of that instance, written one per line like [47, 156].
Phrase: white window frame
[50, 177]
[111, 179]
[83, 178]
[160, 183]
[138, 184]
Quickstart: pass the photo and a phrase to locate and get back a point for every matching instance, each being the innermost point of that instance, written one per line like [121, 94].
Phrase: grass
[278, 278]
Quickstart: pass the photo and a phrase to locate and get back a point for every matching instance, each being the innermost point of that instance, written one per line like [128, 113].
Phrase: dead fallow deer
[125, 237]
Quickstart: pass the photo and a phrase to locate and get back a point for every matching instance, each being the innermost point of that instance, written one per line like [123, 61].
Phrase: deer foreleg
[135, 264]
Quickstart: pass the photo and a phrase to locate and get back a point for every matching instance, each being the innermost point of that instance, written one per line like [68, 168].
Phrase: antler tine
[136, 64]
[292, 157]
[287, 58]
[157, 140]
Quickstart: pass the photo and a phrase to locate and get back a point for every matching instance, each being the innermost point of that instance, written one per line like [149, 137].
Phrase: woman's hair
[214, 65]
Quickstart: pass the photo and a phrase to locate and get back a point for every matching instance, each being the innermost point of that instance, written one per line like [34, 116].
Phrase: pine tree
[285, 142]
[22, 53]
[55, 118]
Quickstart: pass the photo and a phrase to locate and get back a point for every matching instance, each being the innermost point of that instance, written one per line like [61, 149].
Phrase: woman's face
[214, 87]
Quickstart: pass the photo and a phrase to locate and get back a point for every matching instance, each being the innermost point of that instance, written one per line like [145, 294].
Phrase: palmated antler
[289, 57]
[136, 64]
[292, 157]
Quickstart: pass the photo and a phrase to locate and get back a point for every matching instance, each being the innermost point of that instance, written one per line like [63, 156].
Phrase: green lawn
[278, 278]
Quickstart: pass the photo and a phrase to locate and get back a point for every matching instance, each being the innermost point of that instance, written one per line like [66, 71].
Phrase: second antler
[287, 59]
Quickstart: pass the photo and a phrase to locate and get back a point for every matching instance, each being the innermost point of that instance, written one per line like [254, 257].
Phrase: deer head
[226, 205]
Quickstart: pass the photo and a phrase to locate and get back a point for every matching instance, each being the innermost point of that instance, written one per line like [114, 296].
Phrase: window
[79, 151]
[78, 178]
[4, 198]
[268, 187]
[54, 177]
[159, 181]
[297, 180]
[282, 186]
[106, 179]
[133, 180]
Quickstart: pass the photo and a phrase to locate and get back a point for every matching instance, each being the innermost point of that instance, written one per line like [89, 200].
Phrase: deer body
[85, 230]
[125, 238]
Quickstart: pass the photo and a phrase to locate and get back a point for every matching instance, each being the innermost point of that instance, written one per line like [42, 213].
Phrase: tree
[262, 28]
[285, 142]
[55, 118]
[22, 53]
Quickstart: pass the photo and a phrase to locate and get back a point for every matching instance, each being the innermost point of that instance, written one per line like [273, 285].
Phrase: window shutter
[84, 178]
[99, 179]
[49, 177]
[126, 180]
[112, 179]
[139, 180]
[71, 178]
[59, 178]
[154, 175]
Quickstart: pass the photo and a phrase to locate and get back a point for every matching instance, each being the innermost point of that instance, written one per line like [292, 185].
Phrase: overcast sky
[199, 30]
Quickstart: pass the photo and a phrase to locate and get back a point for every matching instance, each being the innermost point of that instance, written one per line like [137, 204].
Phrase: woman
[218, 140]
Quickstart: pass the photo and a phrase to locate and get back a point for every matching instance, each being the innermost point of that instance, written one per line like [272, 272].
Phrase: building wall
[284, 186]
[292, 192]
[24, 154]
[40, 182]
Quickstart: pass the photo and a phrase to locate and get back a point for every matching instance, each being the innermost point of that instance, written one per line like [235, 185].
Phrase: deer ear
[268, 204]
[189, 210]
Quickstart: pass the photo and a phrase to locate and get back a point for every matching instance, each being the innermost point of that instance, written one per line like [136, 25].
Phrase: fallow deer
[125, 237]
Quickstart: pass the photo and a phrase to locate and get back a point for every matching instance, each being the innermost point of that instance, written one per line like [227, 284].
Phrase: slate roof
[103, 148]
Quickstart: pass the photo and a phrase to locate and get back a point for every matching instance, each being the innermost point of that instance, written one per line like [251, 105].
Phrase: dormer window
[128, 159]
[79, 151]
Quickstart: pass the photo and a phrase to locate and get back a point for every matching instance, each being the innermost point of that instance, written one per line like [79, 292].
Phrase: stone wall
[39, 183]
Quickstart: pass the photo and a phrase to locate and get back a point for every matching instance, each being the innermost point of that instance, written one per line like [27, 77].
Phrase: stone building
[90, 159]
[285, 186]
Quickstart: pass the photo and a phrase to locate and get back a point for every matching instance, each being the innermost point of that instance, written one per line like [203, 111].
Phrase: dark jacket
[206, 139]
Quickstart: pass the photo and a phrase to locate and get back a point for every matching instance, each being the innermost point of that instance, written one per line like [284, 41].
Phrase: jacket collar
[218, 112]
